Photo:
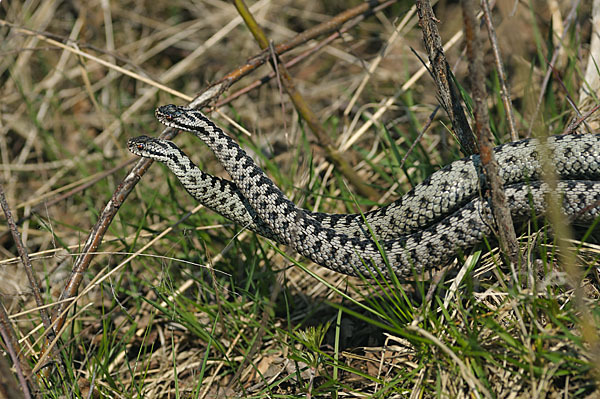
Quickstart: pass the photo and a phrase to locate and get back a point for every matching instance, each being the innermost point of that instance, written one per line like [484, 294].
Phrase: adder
[422, 230]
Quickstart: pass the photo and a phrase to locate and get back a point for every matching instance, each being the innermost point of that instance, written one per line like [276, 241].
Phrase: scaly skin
[430, 223]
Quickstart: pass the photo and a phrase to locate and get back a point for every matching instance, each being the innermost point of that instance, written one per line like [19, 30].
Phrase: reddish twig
[500, 209]
[97, 233]
[442, 75]
[579, 121]
[303, 56]
[326, 27]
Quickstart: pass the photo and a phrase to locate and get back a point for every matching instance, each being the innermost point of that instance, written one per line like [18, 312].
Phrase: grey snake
[422, 230]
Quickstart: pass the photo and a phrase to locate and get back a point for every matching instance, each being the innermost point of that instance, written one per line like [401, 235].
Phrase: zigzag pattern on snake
[452, 218]
[220, 195]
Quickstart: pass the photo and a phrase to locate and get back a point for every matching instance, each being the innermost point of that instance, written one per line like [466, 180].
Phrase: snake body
[224, 197]
[423, 229]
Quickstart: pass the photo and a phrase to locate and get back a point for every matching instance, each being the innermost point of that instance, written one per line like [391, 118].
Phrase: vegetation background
[206, 309]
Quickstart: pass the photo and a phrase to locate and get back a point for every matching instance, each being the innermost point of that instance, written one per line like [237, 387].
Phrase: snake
[424, 229]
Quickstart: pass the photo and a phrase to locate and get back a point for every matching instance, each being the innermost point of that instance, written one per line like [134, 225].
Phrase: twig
[442, 75]
[500, 209]
[323, 28]
[419, 137]
[33, 282]
[303, 56]
[97, 232]
[568, 97]
[579, 121]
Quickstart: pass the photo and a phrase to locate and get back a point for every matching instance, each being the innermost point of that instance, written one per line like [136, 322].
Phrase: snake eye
[140, 146]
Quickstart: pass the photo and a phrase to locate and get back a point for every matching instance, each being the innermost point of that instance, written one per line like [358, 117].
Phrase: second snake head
[153, 148]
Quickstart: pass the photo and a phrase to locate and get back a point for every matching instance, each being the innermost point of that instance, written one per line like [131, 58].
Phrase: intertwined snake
[424, 229]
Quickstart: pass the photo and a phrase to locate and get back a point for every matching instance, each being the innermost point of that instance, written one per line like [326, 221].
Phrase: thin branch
[573, 126]
[323, 28]
[33, 281]
[302, 56]
[442, 75]
[500, 209]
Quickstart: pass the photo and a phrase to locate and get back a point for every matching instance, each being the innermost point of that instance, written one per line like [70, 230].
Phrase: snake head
[170, 112]
[150, 147]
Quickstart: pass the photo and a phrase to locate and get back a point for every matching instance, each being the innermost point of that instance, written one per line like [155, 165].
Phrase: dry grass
[164, 324]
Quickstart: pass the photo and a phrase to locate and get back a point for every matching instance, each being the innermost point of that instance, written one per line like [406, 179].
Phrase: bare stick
[323, 28]
[33, 282]
[303, 56]
[443, 77]
[500, 209]
[571, 128]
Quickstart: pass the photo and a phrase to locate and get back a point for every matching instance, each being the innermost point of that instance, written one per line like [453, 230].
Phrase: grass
[210, 310]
